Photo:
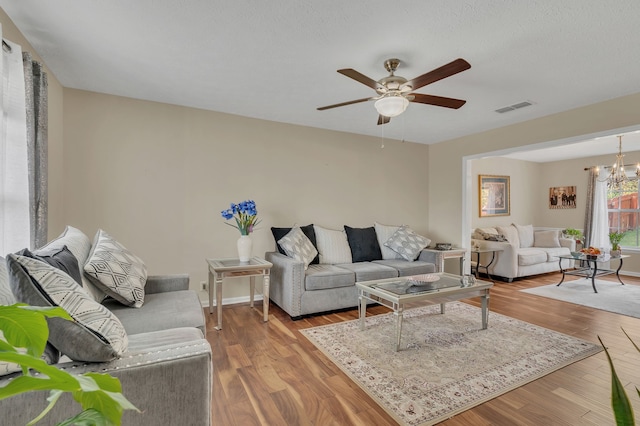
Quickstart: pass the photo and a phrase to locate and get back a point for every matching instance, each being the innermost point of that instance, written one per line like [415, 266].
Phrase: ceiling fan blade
[343, 104]
[361, 78]
[444, 71]
[383, 119]
[437, 100]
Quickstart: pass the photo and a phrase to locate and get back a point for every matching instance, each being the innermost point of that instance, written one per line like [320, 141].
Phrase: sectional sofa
[324, 280]
[156, 345]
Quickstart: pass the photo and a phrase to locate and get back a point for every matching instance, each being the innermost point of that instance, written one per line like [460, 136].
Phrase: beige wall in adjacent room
[55, 139]
[156, 176]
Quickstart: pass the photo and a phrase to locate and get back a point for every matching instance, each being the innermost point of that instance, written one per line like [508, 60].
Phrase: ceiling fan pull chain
[382, 133]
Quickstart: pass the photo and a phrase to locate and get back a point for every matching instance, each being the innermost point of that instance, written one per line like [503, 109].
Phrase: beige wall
[56, 184]
[156, 177]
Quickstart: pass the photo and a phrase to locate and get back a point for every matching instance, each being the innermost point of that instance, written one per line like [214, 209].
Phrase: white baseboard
[231, 300]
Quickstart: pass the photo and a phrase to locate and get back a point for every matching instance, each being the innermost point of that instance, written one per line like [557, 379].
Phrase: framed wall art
[562, 197]
[494, 198]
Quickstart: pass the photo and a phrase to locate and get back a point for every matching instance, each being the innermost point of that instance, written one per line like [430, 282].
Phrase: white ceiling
[277, 60]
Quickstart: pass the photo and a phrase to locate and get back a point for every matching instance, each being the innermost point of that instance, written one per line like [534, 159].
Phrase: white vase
[244, 248]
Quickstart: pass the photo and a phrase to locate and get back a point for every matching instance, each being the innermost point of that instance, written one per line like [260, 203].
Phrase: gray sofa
[322, 287]
[166, 371]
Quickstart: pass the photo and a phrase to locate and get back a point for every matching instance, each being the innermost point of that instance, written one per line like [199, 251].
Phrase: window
[624, 213]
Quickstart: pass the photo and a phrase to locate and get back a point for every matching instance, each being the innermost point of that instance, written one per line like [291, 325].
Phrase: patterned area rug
[611, 296]
[447, 363]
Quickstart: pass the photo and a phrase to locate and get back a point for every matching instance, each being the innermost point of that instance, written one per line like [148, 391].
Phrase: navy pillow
[363, 243]
[61, 259]
[307, 230]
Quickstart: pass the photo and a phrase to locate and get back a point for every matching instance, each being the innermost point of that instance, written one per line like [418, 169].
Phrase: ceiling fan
[395, 92]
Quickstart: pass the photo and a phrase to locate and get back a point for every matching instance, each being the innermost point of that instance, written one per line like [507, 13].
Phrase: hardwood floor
[269, 374]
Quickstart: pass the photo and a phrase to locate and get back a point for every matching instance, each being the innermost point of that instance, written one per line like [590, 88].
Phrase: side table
[452, 253]
[479, 265]
[219, 269]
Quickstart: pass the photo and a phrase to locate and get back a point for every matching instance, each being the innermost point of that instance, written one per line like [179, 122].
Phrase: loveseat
[522, 250]
[165, 362]
[325, 279]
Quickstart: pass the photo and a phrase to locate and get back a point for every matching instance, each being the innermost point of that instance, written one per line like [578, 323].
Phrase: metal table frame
[591, 270]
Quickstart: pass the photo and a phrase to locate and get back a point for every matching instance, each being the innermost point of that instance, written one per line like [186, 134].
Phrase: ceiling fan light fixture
[391, 106]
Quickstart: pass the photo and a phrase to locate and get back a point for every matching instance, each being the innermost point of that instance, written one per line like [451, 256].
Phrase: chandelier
[618, 175]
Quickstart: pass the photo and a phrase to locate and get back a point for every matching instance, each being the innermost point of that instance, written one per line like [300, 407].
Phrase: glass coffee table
[591, 271]
[434, 288]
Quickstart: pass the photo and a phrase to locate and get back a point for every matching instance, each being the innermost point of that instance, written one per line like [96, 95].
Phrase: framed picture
[494, 198]
[562, 197]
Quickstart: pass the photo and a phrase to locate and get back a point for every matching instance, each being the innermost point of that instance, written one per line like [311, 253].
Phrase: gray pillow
[96, 335]
[298, 246]
[116, 271]
[407, 243]
[61, 258]
[6, 296]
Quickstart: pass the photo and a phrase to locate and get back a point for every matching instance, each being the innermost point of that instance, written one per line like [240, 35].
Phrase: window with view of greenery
[624, 213]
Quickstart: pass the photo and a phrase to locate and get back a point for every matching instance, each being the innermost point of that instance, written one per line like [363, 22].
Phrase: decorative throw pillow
[61, 258]
[407, 243]
[383, 233]
[6, 296]
[307, 230]
[116, 271]
[363, 243]
[80, 245]
[96, 335]
[548, 238]
[510, 233]
[298, 246]
[525, 235]
[332, 245]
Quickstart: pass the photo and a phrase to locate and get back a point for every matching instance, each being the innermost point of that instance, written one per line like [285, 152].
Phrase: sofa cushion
[116, 271]
[332, 245]
[308, 231]
[546, 238]
[531, 256]
[405, 268]
[61, 258]
[407, 243]
[367, 271]
[383, 233]
[510, 233]
[160, 311]
[553, 253]
[95, 335]
[363, 243]
[324, 276]
[80, 245]
[525, 235]
[298, 246]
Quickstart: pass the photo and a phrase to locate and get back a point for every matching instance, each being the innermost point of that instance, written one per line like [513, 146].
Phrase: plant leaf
[102, 393]
[26, 327]
[88, 417]
[619, 400]
[632, 342]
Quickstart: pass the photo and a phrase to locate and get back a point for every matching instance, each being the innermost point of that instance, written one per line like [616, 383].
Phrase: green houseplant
[574, 233]
[100, 395]
[614, 239]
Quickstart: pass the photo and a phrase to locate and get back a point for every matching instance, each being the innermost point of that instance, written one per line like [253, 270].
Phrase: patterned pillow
[332, 246]
[383, 233]
[6, 296]
[96, 335]
[407, 243]
[116, 271]
[62, 259]
[298, 246]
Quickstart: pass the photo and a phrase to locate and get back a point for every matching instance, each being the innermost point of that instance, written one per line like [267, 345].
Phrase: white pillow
[383, 233]
[525, 235]
[407, 243]
[510, 233]
[116, 271]
[546, 239]
[298, 246]
[333, 246]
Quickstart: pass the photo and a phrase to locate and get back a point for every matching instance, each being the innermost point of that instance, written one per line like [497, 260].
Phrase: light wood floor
[269, 374]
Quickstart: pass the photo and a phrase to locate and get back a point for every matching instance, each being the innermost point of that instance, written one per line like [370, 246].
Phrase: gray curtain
[37, 125]
[588, 214]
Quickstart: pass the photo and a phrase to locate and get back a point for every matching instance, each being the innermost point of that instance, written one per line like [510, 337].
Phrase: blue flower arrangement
[245, 214]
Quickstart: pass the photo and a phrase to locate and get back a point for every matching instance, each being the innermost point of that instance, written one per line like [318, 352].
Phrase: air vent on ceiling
[514, 107]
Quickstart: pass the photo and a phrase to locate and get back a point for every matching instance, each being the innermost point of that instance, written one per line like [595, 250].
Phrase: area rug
[447, 363]
[611, 296]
